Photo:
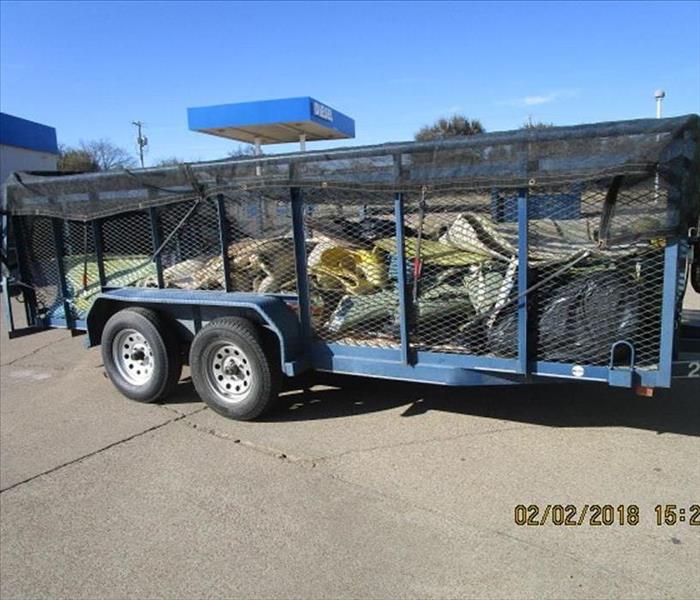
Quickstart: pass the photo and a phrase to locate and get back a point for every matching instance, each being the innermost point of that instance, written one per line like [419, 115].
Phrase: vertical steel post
[7, 302]
[404, 306]
[224, 228]
[28, 294]
[523, 230]
[62, 282]
[298, 229]
[155, 238]
[99, 251]
[668, 314]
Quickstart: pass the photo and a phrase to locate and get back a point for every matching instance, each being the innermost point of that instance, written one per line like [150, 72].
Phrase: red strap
[417, 268]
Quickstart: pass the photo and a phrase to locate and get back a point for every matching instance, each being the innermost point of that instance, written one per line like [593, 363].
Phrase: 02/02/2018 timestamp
[597, 515]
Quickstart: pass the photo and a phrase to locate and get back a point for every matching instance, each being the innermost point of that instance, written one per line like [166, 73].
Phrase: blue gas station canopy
[272, 121]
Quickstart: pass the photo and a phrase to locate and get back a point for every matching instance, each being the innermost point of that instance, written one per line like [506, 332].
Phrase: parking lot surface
[352, 488]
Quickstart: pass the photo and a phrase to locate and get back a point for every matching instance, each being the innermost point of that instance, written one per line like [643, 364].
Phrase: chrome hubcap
[228, 371]
[133, 356]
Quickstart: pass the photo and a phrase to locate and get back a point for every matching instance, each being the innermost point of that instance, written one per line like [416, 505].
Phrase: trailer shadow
[555, 405]
[569, 404]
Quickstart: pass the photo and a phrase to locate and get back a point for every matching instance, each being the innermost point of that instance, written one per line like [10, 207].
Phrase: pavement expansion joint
[91, 454]
[32, 353]
[246, 443]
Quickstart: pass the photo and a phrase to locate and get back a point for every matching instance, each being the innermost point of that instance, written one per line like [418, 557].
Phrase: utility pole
[141, 140]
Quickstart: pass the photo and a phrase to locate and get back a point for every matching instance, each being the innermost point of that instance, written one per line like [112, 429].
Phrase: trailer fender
[190, 310]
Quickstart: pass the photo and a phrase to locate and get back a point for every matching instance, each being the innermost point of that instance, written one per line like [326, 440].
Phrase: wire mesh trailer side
[180, 245]
[558, 253]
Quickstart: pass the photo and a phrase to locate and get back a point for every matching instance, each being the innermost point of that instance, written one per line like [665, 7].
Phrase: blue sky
[89, 69]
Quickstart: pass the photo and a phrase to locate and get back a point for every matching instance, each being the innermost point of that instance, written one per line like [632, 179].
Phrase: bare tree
[455, 126]
[530, 124]
[242, 150]
[107, 155]
[96, 155]
[171, 161]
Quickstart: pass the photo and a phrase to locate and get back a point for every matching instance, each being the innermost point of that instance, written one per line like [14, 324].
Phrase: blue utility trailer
[503, 258]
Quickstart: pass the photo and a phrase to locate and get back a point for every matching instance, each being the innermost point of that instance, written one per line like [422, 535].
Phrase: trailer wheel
[140, 355]
[231, 371]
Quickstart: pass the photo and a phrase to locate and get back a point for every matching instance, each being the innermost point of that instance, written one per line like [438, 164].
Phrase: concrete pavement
[354, 488]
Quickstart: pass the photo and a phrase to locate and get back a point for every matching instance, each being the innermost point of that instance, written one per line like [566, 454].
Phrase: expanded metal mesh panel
[80, 267]
[128, 233]
[127, 249]
[594, 281]
[191, 245]
[39, 256]
[260, 243]
[256, 228]
[352, 266]
[461, 267]
[461, 271]
[596, 284]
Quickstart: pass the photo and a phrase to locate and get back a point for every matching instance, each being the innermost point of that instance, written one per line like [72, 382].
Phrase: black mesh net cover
[632, 150]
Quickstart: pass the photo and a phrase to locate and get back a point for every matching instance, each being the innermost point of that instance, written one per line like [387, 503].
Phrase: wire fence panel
[352, 266]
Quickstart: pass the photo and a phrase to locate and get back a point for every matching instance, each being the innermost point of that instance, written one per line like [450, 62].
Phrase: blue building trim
[26, 134]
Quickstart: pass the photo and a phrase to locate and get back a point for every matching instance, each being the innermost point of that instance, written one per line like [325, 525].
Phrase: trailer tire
[141, 355]
[231, 371]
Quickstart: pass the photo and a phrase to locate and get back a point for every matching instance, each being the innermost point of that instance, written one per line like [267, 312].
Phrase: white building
[26, 146]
